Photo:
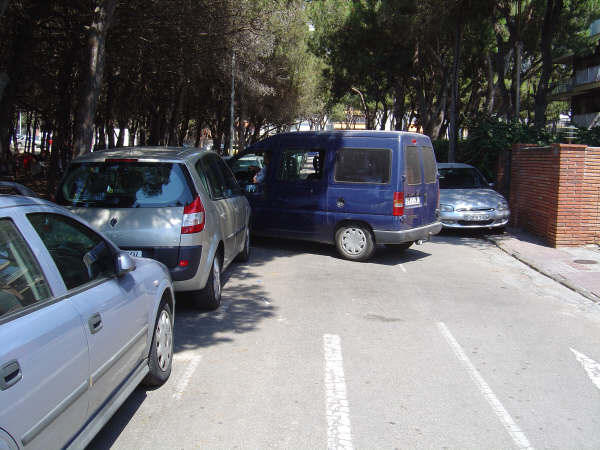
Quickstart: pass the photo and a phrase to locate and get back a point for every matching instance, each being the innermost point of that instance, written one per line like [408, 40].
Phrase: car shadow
[280, 247]
[109, 434]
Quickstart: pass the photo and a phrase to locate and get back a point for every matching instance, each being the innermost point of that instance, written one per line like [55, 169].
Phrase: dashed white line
[591, 367]
[187, 376]
[402, 268]
[339, 431]
[511, 427]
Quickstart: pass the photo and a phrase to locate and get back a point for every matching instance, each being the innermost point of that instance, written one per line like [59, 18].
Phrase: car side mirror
[124, 263]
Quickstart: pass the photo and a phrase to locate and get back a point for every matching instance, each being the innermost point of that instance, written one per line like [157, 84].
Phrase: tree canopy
[83, 72]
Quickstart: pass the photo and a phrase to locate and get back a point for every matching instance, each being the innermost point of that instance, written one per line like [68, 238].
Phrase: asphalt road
[452, 344]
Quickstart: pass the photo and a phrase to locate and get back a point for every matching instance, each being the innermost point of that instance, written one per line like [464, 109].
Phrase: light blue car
[81, 325]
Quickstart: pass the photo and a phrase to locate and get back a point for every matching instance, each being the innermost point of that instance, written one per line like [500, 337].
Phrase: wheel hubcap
[216, 278]
[354, 240]
[164, 340]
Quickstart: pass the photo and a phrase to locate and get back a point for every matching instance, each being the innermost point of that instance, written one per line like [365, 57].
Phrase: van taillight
[398, 209]
[193, 217]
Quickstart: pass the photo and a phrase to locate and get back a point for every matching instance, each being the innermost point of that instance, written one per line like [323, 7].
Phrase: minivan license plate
[137, 253]
[412, 201]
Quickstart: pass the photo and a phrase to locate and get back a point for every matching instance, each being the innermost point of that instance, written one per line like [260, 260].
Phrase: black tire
[244, 255]
[354, 242]
[160, 358]
[400, 247]
[209, 298]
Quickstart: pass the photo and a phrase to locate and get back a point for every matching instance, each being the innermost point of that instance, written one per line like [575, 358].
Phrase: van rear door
[420, 185]
[362, 181]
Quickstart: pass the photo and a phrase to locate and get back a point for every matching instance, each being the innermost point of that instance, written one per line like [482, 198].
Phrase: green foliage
[587, 137]
[488, 137]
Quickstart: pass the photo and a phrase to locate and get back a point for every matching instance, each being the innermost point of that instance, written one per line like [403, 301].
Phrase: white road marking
[402, 268]
[591, 367]
[187, 376]
[513, 429]
[339, 431]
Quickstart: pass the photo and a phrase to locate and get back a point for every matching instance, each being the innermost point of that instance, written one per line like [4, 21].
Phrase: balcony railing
[587, 75]
[587, 120]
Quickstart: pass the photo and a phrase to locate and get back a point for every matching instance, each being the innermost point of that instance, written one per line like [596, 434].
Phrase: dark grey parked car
[181, 206]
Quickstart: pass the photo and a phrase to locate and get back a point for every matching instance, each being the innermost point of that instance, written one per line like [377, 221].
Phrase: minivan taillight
[398, 209]
[193, 217]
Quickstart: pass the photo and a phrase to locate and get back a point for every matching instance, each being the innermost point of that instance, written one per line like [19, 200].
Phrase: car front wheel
[160, 358]
[355, 242]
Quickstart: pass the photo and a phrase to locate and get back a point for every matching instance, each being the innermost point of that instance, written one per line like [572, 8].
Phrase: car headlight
[446, 208]
[502, 206]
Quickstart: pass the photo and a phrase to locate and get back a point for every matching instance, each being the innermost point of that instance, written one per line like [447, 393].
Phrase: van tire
[400, 247]
[209, 298]
[354, 242]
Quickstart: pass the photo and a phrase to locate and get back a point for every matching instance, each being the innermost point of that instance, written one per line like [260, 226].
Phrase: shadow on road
[279, 247]
[471, 238]
[105, 439]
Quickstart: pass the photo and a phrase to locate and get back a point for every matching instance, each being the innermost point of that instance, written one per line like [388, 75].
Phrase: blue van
[354, 189]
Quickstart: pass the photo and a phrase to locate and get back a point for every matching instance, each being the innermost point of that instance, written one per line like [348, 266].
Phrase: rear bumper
[172, 257]
[414, 234]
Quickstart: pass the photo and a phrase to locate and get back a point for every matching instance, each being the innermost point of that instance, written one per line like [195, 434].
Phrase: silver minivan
[180, 206]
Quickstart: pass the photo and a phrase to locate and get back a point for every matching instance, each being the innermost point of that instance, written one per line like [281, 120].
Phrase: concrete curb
[556, 277]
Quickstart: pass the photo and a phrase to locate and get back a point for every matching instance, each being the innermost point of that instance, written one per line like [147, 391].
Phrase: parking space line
[187, 376]
[591, 367]
[507, 421]
[402, 268]
[339, 431]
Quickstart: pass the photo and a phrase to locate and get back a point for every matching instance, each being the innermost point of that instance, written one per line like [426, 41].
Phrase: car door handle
[10, 374]
[95, 323]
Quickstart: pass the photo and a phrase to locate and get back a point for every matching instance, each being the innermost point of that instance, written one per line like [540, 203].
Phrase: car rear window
[357, 165]
[116, 184]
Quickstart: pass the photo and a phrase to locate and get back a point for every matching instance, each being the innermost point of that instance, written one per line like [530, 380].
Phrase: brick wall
[555, 193]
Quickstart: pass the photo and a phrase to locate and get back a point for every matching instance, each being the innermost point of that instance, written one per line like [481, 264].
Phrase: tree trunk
[92, 83]
[551, 16]
[453, 132]
[399, 108]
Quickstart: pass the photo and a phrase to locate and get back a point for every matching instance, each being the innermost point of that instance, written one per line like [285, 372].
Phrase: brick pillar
[555, 193]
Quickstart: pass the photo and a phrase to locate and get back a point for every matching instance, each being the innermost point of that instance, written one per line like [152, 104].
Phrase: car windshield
[461, 178]
[115, 184]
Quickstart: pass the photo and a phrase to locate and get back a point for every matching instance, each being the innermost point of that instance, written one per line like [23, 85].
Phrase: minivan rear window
[363, 165]
[412, 165]
[429, 165]
[125, 184]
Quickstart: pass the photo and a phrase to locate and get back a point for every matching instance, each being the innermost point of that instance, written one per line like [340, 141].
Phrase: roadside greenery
[83, 72]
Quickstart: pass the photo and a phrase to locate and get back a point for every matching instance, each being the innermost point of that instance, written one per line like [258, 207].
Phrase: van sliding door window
[429, 165]
[301, 165]
[363, 165]
[412, 165]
